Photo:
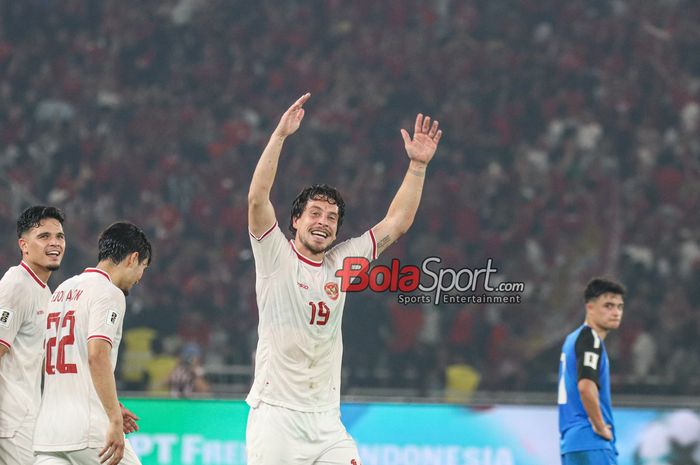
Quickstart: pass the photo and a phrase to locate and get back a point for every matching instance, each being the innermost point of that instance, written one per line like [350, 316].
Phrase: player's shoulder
[588, 338]
[68, 283]
[95, 284]
[341, 248]
[16, 279]
[271, 235]
[103, 287]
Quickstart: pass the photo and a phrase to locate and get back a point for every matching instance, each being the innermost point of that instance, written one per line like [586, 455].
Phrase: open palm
[425, 139]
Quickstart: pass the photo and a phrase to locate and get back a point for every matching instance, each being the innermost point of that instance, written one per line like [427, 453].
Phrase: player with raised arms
[295, 397]
[80, 420]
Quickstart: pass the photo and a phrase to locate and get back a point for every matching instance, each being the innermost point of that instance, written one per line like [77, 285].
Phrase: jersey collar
[98, 271]
[32, 274]
[308, 261]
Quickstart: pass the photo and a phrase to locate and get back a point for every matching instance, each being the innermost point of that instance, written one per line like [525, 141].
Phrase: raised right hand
[291, 119]
[113, 451]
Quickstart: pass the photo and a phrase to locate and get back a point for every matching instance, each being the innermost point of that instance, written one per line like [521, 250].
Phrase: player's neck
[308, 254]
[42, 273]
[598, 330]
[111, 269]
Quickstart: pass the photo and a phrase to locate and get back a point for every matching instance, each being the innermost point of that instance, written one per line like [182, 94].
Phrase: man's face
[317, 226]
[135, 269]
[43, 246]
[606, 311]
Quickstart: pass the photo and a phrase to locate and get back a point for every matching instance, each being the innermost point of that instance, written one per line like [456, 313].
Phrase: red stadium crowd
[571, 149]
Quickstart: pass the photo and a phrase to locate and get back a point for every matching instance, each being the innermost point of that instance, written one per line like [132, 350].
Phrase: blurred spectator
[187, 378]
[159, 369]
[644, 353]
[461, 382]
[137, 355]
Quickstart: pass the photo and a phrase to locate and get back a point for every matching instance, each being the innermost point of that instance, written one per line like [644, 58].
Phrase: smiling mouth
[320, 234]
[54, 253]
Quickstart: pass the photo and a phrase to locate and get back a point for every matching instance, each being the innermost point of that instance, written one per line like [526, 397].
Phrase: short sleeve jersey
[583, 356]
[87, 306]
[23, 300]
[300, 305]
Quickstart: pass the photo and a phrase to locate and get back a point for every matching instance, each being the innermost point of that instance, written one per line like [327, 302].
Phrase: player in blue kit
[585, 410]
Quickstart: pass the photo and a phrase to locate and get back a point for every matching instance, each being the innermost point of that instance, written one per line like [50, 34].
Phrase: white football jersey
[86, 306]
[23, 301]
[300, 306]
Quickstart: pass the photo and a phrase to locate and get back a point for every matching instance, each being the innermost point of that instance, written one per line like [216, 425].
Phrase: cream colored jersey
[23, 301]
[87, 306]
[300, 306]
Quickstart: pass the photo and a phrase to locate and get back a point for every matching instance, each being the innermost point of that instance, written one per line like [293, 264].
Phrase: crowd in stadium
[571, 149]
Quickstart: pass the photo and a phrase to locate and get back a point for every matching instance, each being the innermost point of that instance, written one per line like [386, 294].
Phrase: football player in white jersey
[80, 421]
[295, 398]
[24, 296]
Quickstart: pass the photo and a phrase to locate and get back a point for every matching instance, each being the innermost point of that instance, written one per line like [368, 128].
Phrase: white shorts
[17, 450]
[279, 436]
[84, 457]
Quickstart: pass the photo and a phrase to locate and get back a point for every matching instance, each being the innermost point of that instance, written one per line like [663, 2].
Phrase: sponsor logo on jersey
[6, 317]
[112, 318]
[332, 290]
[303, 286]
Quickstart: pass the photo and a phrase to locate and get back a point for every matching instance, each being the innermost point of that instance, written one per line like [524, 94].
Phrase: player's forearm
[105, 386]
[589, 398]
[403, 208]
[265, 171]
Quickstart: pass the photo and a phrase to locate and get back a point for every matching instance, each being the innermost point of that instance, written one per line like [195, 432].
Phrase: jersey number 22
[53, 322]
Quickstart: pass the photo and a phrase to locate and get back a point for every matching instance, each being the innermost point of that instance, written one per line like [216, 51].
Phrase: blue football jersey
[583, 356]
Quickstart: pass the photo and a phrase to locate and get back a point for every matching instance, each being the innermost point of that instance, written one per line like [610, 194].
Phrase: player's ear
[589, 306]
[23, 245]
[133, 259]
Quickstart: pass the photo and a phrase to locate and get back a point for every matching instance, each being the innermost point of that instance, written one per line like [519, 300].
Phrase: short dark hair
[599, 286]
[317, 192]
[33, 216]
[120, 240]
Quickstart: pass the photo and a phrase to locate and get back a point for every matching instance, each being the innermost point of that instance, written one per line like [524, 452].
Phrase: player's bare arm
[402, 211]
[261, 214]
[3, 350]
[589, 399]
[103, 379]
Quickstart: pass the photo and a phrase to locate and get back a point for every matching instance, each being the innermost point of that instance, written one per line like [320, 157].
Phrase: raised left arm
[403, 208]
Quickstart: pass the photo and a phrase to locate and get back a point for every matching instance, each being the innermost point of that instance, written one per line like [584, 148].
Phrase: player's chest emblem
[331, 290]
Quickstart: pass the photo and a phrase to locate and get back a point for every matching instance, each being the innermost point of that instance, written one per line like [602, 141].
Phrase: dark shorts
[590, 457]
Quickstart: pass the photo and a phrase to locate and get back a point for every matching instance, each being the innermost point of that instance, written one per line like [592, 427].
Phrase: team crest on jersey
[6, 318]
[332, 290]
[112, 318]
